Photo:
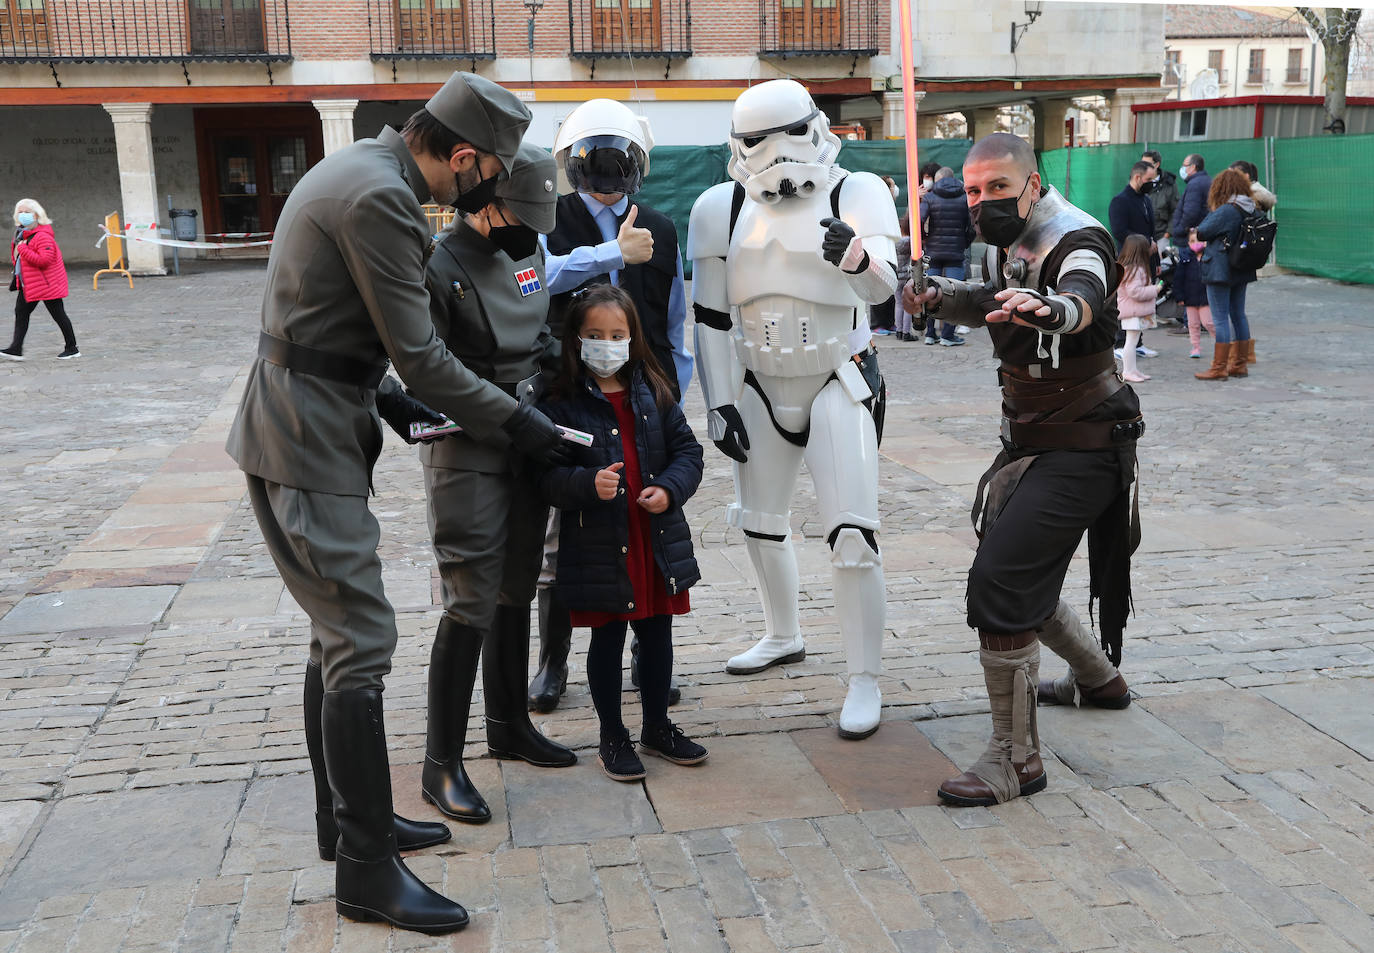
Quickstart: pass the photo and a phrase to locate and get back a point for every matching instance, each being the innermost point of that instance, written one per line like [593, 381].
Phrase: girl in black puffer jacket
[624, 547]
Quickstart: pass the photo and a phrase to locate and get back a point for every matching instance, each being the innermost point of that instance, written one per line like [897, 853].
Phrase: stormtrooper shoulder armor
[708, 232]
[866, 206]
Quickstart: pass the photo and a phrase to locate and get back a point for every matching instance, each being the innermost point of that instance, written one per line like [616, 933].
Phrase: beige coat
[347, 275]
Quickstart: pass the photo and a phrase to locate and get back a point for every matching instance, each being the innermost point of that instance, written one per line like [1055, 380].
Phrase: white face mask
[895, 191]
[1183, 172]
[605, 358]
[928, 182]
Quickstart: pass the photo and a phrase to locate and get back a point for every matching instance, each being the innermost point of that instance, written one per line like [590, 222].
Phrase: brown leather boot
[1221, 357]
[1250, 352]
[1011, 765]
[1236, 367]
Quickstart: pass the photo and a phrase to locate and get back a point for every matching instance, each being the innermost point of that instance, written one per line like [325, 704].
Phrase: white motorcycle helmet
[604, 147]
[780, 142]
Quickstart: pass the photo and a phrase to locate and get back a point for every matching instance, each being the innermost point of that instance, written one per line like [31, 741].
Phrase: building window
[1173, 69]
[1254, 76]
[426, 25]
[625, 25]
[23, 25]
[810, 24]
[227, 26]
[1214, 59]
[1192, 124]
[1294, 74]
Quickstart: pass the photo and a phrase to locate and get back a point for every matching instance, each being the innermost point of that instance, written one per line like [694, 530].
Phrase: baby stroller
[1166, 308]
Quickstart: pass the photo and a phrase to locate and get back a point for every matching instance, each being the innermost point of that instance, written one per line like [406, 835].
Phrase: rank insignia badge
[528, 281]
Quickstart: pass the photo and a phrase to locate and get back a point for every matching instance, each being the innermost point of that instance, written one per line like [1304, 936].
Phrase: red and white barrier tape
[130, 236]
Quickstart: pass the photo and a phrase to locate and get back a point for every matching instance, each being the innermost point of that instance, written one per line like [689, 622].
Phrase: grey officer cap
[530, 191]
[485, 114]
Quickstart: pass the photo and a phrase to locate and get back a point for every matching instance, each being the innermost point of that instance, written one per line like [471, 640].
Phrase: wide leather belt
[1042, 406]
[309, 360]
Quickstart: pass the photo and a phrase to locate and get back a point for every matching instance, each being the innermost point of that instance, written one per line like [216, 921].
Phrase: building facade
[222, 105]
[1213, 52]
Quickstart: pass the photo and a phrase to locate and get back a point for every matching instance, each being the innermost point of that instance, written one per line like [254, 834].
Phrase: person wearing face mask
[1069, 429]
[39, 276]
[625, 555]
[345, 298]
[489, 306]
[1189, 288]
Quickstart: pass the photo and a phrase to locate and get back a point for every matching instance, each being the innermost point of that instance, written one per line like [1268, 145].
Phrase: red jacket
[42, 275]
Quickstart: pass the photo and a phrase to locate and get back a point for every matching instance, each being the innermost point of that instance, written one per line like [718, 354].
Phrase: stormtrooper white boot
[775, 563]
[861, 604]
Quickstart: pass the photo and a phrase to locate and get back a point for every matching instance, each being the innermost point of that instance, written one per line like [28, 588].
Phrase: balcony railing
[818, 28]
[144, 31]
[431, 29]
[1256, 77]
[1293, 76]
[609, 28]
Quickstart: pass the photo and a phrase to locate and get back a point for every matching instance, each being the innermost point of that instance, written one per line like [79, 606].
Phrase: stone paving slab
[539, 801]
[1111, 749]
[895, 768]
[1339, 708]
[87, 609]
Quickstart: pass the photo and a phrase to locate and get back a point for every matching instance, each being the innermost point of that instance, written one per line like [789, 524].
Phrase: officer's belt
[1042, 406]
[309, 360]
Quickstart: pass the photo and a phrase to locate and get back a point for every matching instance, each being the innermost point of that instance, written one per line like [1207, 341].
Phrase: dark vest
[650, 285]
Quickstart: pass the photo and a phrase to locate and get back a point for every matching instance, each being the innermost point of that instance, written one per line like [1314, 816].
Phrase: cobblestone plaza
[155, 793]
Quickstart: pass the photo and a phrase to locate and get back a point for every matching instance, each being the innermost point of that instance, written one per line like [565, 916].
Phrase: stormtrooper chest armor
[795, 310]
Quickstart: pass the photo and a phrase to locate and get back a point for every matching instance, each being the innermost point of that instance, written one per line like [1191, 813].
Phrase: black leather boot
[555, 641]
[370, 882]
[410, 835]
[505, 660]
[674, 692]
[452, 674]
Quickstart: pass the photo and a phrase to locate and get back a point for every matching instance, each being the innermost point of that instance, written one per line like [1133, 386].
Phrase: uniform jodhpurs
[1019, 569]
[325, 547]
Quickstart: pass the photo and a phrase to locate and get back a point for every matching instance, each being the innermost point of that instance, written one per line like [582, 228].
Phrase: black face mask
[998, 220]
[476, 198]
[517, 241]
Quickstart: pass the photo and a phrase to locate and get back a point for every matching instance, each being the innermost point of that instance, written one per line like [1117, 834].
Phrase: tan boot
[1236, 367]
[1250, 352]
[1011, 766]
[1221, 356]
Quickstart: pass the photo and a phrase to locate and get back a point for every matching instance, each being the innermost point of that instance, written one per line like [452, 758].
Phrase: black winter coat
[594, 533]
[1130, 213]
[945, 222]
[1192, 208]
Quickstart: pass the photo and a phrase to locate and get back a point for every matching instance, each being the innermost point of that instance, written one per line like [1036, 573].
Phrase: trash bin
[184, 224]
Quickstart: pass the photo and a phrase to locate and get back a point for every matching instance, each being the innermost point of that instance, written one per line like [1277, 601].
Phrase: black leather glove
[835, 242]
[535, 436]
[726, 429]
[400, 410]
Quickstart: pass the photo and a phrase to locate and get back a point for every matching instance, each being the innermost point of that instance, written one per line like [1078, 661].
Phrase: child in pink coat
[1135, 302]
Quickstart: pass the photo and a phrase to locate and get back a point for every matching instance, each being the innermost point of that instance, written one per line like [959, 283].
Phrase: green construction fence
[679, 174]
[1325, 227]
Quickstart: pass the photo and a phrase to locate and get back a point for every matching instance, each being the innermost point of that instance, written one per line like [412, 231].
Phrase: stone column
[336, 119]
[894, 114]
[1049, 123]
[1120, 103]
[137, 182]
[981, 122]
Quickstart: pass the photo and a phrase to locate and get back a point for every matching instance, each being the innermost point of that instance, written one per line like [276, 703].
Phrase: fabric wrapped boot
[410, 835]
[555, 641]
[444, 781]
[1221, 357]
[1010, 767]
[1092, 679]
[370, 881]
[775, 564]
[1236, 366]
[505, 663]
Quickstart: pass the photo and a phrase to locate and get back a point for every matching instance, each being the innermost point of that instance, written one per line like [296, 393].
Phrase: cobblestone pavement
[154, 790]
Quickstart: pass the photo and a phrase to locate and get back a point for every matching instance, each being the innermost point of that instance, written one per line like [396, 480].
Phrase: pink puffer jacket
[42, 274]
[1135, 296]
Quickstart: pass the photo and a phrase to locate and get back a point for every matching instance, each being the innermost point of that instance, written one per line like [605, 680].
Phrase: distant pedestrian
[39, 276]
[1264, 199]
[1135, 302]
[1188, 286]
[1163, 193]
[903, 318]
[1130, 213]
[947, 232]
[1230, 201]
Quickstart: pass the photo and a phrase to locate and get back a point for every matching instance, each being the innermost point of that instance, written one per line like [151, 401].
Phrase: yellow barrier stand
[439, 217]
[114, 253]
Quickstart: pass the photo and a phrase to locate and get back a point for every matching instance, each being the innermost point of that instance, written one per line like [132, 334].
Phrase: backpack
[1254, 242]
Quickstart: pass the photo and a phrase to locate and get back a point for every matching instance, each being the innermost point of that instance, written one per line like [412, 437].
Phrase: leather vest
[649, 285]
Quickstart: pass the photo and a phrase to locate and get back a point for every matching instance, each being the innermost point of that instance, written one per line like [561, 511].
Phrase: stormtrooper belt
[327, 364]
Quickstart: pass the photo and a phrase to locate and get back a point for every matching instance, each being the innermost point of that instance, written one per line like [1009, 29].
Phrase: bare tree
[1335, 27]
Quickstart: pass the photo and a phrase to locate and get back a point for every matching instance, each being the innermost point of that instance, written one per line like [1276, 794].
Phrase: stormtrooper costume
[785, 262]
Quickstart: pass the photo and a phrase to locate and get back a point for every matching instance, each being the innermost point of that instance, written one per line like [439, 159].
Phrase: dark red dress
[651, 592]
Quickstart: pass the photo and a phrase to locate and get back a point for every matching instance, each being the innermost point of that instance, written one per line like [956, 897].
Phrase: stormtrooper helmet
[780, 142]
[604, 147]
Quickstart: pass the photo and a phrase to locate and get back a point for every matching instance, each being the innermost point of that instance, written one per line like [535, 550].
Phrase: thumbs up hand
[636, 244]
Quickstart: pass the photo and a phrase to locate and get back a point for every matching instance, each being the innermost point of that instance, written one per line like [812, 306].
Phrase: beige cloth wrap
[1011, 679]
[1065, 635]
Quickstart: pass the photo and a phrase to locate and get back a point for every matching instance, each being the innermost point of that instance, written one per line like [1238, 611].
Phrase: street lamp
[533, 6]
[1018, 30]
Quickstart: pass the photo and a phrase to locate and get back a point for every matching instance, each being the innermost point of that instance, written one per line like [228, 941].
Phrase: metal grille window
[1295, 70]
[1255, 74]
[431, 29]
[818, 27]
[600, 28]
[219, 26]
[23, 25]
[431, 24]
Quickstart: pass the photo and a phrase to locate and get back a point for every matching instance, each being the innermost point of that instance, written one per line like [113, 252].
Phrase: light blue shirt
[566, 272]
